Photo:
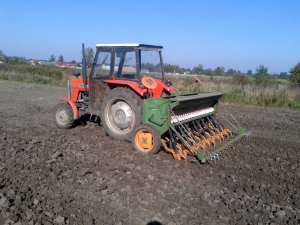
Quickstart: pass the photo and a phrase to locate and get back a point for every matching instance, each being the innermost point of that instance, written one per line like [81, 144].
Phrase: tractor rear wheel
[64, 116]
[146, 139]
[121, 112]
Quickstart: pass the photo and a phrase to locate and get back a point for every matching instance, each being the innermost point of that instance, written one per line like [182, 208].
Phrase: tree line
[89, 53]
[261, 74]
[11, 59]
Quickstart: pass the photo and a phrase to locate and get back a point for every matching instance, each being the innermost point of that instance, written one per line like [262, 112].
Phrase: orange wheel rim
[144, 140]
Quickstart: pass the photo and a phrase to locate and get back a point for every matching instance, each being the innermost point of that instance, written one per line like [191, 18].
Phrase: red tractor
[127, 89]
[114, 89]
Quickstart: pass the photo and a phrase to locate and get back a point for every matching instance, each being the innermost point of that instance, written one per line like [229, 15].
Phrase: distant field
[84, 177]
[243, 90]
[238, 89]
[36, 74]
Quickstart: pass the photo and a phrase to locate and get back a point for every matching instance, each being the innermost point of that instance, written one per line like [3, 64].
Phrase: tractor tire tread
[70, 115]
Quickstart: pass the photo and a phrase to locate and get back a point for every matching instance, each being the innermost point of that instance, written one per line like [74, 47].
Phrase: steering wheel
[149, 82]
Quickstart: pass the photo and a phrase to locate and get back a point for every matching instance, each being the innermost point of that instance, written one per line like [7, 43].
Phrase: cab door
[101, 70]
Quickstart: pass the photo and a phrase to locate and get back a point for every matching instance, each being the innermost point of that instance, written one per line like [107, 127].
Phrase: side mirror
[77, 74]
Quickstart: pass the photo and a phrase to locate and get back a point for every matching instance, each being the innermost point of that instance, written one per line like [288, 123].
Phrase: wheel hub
[144, 140]
[122, 115]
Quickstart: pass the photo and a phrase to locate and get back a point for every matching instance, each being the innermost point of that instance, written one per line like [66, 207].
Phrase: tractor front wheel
[146, 139]
[64, 116]
[121, 112]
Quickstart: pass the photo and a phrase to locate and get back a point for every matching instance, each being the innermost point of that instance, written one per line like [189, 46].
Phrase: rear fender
[73, 106]
[160, 88]
[135, 86]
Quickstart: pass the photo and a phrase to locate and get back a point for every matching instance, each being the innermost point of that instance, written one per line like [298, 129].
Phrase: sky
[231, 33]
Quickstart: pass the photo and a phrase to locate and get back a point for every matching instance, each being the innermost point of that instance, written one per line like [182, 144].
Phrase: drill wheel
[146, 139]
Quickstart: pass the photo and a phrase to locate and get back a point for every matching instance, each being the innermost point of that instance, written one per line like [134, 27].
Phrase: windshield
[150, 64]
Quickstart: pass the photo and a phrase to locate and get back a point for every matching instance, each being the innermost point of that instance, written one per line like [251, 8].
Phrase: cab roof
[141, 46]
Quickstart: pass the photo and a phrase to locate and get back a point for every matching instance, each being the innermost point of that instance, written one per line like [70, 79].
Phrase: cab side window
[125, 63]
[102, 67]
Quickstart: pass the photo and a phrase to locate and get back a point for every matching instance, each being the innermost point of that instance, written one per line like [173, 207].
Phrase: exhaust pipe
[83, 68]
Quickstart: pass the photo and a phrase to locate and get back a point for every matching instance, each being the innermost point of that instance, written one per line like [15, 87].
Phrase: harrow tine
[202, 140]
[206, 135]
[214, 136]
[182, 153]
[218, 124]
[209, 121]
[249, 134]
[172, 142]
[218, 134]
[201, 137]
[197, 129]
[191, 137]
[204, 125]
[189, 133]
[198, 132]
[183, 135]
[209, 131]
[229, 122]
[169, 150]
[184, 141]
[210, 139]
[221, 135]
[226, 132]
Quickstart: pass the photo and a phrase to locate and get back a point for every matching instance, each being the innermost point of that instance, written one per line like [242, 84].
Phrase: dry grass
[243, 90]
[35, 74]
[238, 89]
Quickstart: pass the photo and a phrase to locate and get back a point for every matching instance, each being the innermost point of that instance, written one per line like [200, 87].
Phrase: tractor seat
[128, 76]
[125, 76]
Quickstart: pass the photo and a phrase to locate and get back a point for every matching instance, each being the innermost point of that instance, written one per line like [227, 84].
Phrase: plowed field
[81, 176]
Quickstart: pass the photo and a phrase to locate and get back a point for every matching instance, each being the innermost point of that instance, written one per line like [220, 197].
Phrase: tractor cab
[127, 62]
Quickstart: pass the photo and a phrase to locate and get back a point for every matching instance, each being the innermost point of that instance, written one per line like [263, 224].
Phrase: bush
[240, 79]
[35, 74]
[295, 74]
[244, 90]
